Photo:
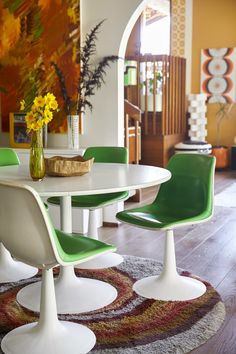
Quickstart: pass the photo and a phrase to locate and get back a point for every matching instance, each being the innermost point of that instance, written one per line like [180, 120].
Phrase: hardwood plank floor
[207, 250]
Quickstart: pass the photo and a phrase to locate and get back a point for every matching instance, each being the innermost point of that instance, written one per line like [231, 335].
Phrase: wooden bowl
[67, 166]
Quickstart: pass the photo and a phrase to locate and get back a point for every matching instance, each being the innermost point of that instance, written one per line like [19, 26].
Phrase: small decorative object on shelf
[40, 114]
[197, 121]
[197, 127]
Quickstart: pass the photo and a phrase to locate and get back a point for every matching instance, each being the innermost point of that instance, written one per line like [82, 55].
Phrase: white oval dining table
[76, 294]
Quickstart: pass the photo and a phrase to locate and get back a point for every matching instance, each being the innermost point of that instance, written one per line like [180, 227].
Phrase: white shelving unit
[197, 121]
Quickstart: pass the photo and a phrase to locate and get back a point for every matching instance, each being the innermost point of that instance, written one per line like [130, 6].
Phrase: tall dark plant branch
[89, 48]
[95, 79]
[65, 96]
[91, 76]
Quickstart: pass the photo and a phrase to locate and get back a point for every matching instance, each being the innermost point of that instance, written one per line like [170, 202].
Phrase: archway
[104, 126]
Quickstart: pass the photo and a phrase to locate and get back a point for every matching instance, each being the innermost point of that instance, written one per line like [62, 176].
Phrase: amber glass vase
[37, 164]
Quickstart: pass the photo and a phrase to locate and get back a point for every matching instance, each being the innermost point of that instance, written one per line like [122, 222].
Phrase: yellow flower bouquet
[41, 111]
[39, 115]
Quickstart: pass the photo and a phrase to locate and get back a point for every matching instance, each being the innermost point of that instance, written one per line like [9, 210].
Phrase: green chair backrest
[110, 154]
[8, 157]
[191, 188]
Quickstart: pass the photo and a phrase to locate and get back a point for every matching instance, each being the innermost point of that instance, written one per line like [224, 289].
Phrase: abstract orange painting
[33, 34]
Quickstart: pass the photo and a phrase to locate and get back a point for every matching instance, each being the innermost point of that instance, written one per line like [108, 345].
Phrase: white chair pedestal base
[180, 288]
[49, 335]
[67, 337]
[169, 285]
[104, 261]
[73, 294]
[11, 270]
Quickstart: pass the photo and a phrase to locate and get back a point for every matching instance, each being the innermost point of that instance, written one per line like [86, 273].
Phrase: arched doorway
[159, 91]
[150, 36]
[104, 126]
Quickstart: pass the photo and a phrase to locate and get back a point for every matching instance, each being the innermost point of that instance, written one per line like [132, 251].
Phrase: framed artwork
[218, 74]
[27, 48]
[18, 135]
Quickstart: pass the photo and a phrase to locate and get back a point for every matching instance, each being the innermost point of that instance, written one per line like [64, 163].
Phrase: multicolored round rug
[132, 324]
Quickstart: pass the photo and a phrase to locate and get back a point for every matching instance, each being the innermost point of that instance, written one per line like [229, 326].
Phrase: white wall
[105, 125]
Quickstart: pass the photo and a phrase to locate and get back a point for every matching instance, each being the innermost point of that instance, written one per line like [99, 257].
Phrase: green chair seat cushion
[92, 201]
[152, 217]
[74, 247]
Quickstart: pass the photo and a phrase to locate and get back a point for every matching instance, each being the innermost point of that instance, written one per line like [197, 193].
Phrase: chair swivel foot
[178, 288]
[81, 295]
[64, 338]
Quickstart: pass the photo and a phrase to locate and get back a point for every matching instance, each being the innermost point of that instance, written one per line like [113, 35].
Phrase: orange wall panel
[214, 24]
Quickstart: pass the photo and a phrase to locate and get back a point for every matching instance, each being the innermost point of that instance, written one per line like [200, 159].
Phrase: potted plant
[90, 79]
[220, 151]
[153, 81]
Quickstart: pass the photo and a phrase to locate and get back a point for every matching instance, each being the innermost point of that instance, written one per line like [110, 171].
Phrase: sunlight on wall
[155, 38]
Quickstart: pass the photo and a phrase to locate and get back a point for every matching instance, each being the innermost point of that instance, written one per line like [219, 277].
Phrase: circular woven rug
[132, 324]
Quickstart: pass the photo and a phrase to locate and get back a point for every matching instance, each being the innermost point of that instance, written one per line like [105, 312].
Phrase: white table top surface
[103, 178]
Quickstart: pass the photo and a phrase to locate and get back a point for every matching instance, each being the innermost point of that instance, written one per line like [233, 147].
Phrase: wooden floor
[207, 250]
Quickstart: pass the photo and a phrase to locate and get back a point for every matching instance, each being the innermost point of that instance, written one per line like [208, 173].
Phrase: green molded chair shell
[73, 248]
[187, 198]
[92, 201]
[8, 157]
[112, 154]
[32, 239]
[108, 154]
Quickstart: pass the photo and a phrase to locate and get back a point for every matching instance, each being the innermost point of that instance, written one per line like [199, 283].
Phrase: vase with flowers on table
[39, 115]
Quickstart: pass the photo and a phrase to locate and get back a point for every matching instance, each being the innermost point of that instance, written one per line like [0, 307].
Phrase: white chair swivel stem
[170, 285]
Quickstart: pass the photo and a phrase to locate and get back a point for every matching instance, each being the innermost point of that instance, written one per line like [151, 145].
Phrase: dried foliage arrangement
[91, 76]
[222, 113]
